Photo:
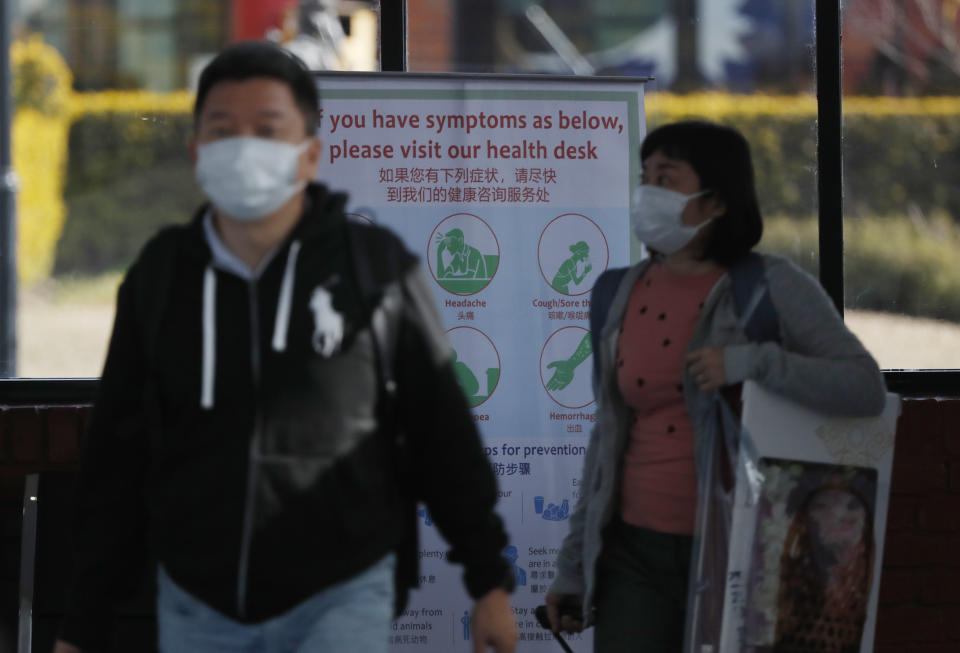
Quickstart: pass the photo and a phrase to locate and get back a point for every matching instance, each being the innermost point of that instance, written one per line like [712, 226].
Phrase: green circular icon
[463, 254]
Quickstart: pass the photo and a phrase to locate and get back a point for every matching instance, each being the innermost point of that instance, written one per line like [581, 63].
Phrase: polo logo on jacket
[327, 323]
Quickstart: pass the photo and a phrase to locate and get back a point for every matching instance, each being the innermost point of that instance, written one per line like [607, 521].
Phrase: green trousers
[641, 590]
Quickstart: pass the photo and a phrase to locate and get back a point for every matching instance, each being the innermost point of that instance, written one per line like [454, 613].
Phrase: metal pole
[393, 35]
[8, 212]
[829, 148]
[686, 17]
[557, 40]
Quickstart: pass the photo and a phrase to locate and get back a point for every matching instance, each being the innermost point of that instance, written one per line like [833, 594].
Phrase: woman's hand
[706, 367]
[565, 622]
[493, 623]
[63, 647]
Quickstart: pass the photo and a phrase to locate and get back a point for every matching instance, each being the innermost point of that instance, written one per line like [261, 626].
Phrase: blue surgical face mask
[249, 178]
[656, 216]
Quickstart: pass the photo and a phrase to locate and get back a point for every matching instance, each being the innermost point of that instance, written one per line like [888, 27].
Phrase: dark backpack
[751, 296]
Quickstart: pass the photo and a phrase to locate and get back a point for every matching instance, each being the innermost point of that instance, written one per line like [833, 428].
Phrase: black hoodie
[241, 435]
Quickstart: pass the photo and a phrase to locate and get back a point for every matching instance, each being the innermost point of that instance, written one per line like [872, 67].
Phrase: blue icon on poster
[424, 514]
[552, 512]
[519, 575]
[465, 620]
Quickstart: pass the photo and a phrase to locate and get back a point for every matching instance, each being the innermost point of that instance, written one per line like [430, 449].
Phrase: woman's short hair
[720, 156]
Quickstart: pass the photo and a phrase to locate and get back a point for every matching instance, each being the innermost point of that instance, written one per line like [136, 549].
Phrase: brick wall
[919, 589]
[920, 585]
[429, 34]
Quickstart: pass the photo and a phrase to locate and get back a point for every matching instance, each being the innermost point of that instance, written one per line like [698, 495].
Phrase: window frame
[828, 65]
[8, 190]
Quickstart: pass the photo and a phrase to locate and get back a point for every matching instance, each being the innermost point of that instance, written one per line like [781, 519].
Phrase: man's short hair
[252, 59]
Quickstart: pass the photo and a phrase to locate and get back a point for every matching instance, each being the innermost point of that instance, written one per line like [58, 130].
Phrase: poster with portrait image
[514, 192]
[811, 565]
[806, 540]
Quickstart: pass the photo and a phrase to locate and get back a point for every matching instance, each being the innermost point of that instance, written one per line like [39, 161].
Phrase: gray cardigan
[819, 364]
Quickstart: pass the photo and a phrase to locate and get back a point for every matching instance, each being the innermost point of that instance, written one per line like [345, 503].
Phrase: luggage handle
[544, 620]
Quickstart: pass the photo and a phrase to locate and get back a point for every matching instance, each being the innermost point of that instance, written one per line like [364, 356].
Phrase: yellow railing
[134, 102]
[720, 106]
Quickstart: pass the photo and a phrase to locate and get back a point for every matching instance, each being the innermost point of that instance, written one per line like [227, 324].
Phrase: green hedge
[895, 264]
[892, 164]
[127, 175]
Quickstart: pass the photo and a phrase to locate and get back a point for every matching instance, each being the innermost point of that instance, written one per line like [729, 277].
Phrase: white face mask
[248, 178]
[656, 216]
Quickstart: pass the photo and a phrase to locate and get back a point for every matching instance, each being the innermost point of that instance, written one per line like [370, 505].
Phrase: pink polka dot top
[659, 489]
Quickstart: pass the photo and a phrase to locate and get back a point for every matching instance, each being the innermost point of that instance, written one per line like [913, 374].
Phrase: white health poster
[515, 194]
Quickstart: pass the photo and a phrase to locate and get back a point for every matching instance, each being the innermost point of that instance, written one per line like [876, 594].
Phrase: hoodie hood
[322, 216]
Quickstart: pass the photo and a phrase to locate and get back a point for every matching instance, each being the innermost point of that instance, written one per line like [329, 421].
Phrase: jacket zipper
[253, 457]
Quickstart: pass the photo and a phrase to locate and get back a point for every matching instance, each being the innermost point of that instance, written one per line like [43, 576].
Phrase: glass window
[102, 115]
[102, 99]
[901, 159]
[748, 64]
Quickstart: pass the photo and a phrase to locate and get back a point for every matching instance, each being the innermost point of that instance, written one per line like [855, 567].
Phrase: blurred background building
[891, 46]
[159, 45]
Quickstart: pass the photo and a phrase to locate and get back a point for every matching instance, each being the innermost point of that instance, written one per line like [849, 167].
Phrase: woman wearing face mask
[672, 340]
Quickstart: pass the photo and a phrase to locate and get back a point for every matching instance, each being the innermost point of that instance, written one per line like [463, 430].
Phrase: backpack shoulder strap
[751, 296]
[600, 299]
[374, 256]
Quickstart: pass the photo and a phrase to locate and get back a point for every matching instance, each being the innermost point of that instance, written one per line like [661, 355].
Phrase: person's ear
[716, 207]
[310, 159]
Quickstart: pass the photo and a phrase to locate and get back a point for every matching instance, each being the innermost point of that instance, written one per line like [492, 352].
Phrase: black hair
[720, 156]
[251, 59]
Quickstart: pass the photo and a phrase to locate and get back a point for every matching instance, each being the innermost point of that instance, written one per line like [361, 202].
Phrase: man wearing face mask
[277, 396]
[671, 340]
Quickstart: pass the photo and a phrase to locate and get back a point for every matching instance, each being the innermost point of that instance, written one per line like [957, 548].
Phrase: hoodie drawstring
[281, 326]
[282, 323]
[209, 337]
